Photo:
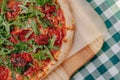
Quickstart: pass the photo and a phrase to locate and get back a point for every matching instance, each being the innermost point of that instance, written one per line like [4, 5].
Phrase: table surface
[106, 64]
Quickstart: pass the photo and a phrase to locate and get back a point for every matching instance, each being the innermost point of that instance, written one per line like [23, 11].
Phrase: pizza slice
[35, 36]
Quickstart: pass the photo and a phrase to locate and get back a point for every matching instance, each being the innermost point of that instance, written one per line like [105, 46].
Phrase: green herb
[26, 78]
[19, 70]
[1, 19]
[42, 2]
[13, 76]
[44, 54]
[1, 41]
[38, 13]
[60, 24]
[35, 27]
[23, 7]
[7, 26]
[21, 47]
[52, 42]
[3, 7]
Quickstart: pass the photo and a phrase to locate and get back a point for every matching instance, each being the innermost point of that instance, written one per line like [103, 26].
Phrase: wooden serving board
[67, 68]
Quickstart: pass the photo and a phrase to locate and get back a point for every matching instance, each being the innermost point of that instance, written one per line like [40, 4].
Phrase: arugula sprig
[51, 43]
[34, 27]
[42, 2]
[3, 7]
[43, 55]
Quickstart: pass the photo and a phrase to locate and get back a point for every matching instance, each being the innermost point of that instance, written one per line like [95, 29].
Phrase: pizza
[35, 36]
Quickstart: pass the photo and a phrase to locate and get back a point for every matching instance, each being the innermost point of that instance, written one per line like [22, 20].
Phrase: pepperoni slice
[59, 35]
[4, 72]
[14, 10]
[41, 39]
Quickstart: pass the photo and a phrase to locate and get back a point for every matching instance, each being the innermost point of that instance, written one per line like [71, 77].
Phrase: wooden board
[66, 69]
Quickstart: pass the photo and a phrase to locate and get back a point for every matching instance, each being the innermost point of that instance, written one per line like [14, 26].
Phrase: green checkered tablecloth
[106, 64]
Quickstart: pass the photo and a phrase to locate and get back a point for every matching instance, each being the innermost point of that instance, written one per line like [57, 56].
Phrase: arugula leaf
[19, 69]
[26, 78]
[1, 62]
[3, 7]
[35, 27]
[23, 7]
[21, 47]
[42, 2]
[1, 41]
[13, 76]
[43, 55]
[5, 40]
[7, 26]
[52, 42]
[1, 19]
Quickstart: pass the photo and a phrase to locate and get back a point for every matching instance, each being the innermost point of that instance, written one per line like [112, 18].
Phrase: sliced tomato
[27, 57]
[14, 10]
[58, 33]
[17, 60]
[48, 16]
[4, 73]
[41, 39]
[49, 8]
[16, 31]
[21, 59]
[22, 35]
[13, 40]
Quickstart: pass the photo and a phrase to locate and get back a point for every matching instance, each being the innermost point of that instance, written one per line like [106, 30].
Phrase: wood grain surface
[68, 67]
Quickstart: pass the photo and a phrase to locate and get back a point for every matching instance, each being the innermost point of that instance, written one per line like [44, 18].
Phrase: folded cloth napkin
[106, 64]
